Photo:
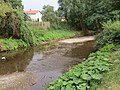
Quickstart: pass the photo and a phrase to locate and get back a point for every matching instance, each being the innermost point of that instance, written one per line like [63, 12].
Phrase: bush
[85, 76]
[58, 25]
[110, 34]
[12, 24]
[9, 23]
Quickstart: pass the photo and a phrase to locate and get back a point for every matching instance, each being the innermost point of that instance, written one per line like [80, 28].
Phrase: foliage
[58, 34]
[111, 80]
[54, 17]
[117, 47]
[87, 14]
[86, 75]
[38, 36]
[16, 4]
[25, 32]
[9, 23]
[48, 14]
[4, 8]
[61, 26]
[13, 24]
[110, 34]
[48, 35]
[12, 44]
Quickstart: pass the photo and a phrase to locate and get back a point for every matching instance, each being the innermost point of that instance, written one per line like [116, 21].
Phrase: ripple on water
[42, 63]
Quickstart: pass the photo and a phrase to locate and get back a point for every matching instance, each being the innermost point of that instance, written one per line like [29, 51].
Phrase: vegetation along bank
[15, 33]
[101, 70]
[38, 37]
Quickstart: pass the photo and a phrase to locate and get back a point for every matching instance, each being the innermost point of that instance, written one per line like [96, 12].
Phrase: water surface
[45, 63]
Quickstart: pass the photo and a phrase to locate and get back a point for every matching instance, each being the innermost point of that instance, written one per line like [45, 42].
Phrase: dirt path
[77, 40]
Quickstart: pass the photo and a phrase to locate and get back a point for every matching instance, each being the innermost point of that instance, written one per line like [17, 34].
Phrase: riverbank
[39, 37]
[78, 40]
[101, 71]
[16, 80]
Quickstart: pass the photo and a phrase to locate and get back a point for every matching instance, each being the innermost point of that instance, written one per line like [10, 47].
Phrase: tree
[48, 13]
[12, 22]
[87, 14]
[16, 4]
[54, 17]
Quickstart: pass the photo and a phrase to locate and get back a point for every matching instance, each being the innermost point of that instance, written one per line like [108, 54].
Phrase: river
[35, 67]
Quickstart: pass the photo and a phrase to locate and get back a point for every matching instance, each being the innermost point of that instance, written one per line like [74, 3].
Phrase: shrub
[110, 34]
[25, 33]
[9, 23]
[12, 24]
[5, 7]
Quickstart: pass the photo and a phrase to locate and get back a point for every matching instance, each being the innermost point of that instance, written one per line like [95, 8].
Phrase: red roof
[31, 12]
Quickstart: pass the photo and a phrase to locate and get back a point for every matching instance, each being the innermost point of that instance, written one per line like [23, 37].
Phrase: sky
[38, 4]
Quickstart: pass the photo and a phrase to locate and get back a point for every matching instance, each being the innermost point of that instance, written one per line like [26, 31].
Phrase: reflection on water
[37, 57]
[18, 61]
[81, 50]
[15, 61]
[44, 62]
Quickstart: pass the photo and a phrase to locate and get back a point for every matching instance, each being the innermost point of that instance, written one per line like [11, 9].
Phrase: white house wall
[36, 17]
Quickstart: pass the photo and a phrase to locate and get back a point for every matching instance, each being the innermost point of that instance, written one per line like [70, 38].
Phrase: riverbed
[35, 67]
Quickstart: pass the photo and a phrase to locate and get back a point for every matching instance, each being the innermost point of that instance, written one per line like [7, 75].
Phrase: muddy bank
[45, 64]
[16, 81]
[78, 40]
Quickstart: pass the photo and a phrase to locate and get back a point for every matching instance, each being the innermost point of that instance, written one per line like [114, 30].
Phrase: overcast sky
[38, 4]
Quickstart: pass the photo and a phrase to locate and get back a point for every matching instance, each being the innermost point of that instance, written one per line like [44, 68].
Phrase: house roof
[31, 12]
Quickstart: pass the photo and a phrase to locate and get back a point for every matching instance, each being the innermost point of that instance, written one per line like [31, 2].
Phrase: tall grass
[40, 35]
[111, 80]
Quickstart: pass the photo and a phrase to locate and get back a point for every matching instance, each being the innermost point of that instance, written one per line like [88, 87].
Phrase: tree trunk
[83, 26]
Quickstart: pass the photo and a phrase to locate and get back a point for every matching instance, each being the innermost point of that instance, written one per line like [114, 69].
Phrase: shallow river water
[34, 68]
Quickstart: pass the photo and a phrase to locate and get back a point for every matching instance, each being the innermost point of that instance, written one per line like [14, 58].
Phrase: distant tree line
[89, 14]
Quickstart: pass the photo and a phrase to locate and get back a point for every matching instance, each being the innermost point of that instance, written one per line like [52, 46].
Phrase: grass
[48, 35]
[41, 35]
[111, 80]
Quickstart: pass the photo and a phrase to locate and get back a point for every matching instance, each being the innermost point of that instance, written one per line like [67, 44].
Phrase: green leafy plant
[110, 34]
[86, 74]
[12, 22]
[48, 35]
[12, 44]
[37, 36]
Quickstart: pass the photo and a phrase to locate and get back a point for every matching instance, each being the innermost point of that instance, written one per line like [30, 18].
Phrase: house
[35, 15]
